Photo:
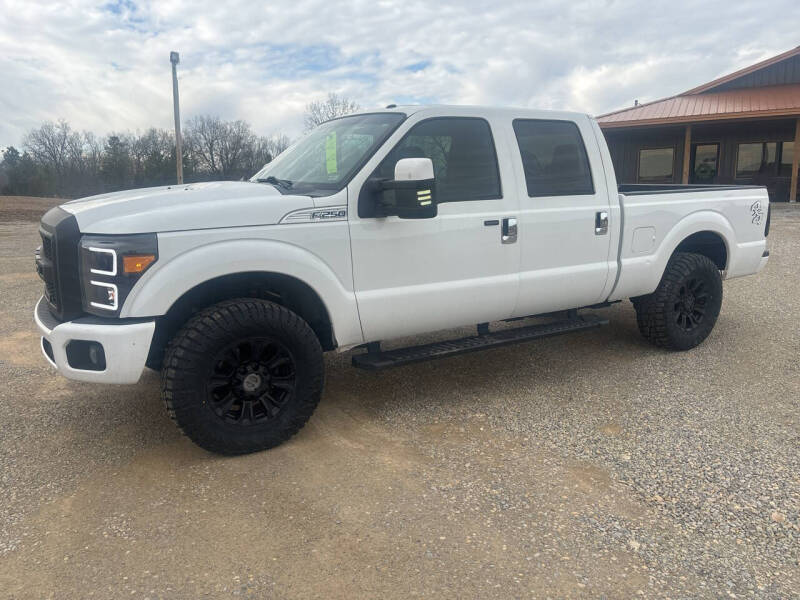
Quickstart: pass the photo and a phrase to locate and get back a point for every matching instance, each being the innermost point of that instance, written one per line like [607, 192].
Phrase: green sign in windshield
[330, 154]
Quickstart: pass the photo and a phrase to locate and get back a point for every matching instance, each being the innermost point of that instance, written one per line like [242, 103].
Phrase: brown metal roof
[742, 72]
[777, 100]
[738, 95]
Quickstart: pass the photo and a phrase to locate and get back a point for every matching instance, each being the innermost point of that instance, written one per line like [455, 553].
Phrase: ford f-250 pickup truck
[375, 226]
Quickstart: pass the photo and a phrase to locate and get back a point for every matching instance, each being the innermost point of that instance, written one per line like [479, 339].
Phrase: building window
[755, 159]
[705, 163]
[656, 165]
[553, 157]
[787, 154]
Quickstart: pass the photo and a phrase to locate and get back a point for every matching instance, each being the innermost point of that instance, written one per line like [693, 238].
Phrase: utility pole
[175, 58]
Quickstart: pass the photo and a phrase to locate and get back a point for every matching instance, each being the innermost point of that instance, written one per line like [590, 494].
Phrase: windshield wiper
[284, 183]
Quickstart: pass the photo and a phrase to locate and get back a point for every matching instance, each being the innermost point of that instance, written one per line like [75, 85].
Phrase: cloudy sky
[105, 66]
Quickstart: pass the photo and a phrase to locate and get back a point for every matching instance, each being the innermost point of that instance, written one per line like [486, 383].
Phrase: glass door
[705, 161]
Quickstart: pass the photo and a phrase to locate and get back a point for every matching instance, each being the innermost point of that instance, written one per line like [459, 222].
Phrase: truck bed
[656, 218]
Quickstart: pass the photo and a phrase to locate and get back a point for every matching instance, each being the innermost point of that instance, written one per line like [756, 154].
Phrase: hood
[184, 207]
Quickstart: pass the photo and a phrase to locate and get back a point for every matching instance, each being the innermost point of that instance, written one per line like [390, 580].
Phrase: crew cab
[374, 226]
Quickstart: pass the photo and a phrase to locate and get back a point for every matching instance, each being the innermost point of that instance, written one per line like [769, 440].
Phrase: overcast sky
[105, 66]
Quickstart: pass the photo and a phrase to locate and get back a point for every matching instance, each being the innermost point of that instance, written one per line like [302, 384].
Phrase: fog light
[96, 354]
[86, 355]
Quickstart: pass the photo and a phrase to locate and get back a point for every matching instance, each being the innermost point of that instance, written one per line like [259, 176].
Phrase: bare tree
[260, 153]
[278, 143]
[203, 137]
[85, 163]
[92, 152]
[68, 159]
[153, 155]
[237, 141]
[333, 106]
[265, 150]
[220, 147]
[53, 145]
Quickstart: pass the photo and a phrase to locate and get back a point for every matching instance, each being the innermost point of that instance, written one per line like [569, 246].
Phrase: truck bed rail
[632, 189]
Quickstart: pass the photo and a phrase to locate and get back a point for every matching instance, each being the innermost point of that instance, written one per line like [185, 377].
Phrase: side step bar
[374, 361]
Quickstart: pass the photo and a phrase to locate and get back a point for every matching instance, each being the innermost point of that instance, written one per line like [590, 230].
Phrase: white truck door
[416, 275]
[564, 215]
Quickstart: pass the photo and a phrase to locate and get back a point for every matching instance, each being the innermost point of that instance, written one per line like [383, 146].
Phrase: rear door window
[554, 158]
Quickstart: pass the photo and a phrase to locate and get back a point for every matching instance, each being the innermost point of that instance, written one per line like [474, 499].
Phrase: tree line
[57, 160]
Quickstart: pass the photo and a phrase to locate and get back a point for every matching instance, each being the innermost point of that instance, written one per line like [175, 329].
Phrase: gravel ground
[590, 465]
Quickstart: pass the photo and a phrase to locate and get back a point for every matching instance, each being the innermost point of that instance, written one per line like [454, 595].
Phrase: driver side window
[463, 156]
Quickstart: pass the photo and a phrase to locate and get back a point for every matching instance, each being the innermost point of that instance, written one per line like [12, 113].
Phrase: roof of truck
[476, 110]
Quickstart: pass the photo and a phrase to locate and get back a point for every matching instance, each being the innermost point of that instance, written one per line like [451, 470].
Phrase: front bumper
[125, 345]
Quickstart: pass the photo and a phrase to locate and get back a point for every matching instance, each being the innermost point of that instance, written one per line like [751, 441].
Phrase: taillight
[769, 214]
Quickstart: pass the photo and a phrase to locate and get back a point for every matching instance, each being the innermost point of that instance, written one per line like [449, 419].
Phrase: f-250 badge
[756, 212]
[336, 213]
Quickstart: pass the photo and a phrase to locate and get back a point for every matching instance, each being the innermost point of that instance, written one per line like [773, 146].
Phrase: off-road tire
[666, 318]
[192, 368]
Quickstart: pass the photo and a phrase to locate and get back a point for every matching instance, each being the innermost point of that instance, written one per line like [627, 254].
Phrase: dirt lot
[589, 465]
[24, 208]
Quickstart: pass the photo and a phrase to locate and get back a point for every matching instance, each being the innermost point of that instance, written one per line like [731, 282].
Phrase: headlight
[110, 266]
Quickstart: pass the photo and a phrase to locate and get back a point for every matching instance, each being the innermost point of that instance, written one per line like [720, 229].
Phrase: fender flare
[641, 274]
[161, 287]
[704, 220]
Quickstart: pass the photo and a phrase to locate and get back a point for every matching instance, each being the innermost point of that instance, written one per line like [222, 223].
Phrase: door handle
[601, 222]
[508, 234]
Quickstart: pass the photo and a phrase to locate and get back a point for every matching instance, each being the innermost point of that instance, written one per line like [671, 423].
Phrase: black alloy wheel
[690, 307]
[252, 380]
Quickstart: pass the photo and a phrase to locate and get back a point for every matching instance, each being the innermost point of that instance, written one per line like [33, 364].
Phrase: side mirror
[411, 194]
[413, 169]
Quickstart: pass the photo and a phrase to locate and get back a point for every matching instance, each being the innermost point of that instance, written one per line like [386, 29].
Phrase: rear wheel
[682, 311]
[242, 376]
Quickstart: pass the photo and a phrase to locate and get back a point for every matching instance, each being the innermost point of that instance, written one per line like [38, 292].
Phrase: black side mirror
[412, 192]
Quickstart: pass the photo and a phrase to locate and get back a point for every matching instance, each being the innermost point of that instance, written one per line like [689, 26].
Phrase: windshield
[323, 161]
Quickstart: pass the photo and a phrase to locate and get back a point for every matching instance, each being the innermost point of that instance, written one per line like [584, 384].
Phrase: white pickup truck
[375, 226]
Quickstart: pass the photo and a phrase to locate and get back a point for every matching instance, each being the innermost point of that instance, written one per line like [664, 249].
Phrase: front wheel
[242, 376]
[682, 311]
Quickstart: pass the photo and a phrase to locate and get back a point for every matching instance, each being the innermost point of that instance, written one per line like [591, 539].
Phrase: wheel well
[709, 244]
[285, 290]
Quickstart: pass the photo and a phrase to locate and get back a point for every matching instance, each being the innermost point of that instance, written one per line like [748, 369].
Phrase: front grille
[57, 263]
[47, 268]
[47, 245]
[51, 294]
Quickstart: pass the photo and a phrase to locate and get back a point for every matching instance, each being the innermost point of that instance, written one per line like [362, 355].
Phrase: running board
[374, 361]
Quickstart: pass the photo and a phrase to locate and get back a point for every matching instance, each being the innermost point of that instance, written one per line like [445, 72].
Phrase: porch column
[795, 163]
[687, 151]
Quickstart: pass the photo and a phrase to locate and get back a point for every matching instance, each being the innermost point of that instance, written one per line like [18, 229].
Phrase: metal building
[743, 128]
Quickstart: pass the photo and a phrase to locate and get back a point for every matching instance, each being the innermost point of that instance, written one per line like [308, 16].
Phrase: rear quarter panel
[655, 224]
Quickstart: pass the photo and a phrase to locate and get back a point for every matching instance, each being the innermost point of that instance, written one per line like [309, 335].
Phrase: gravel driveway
[590, 465]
